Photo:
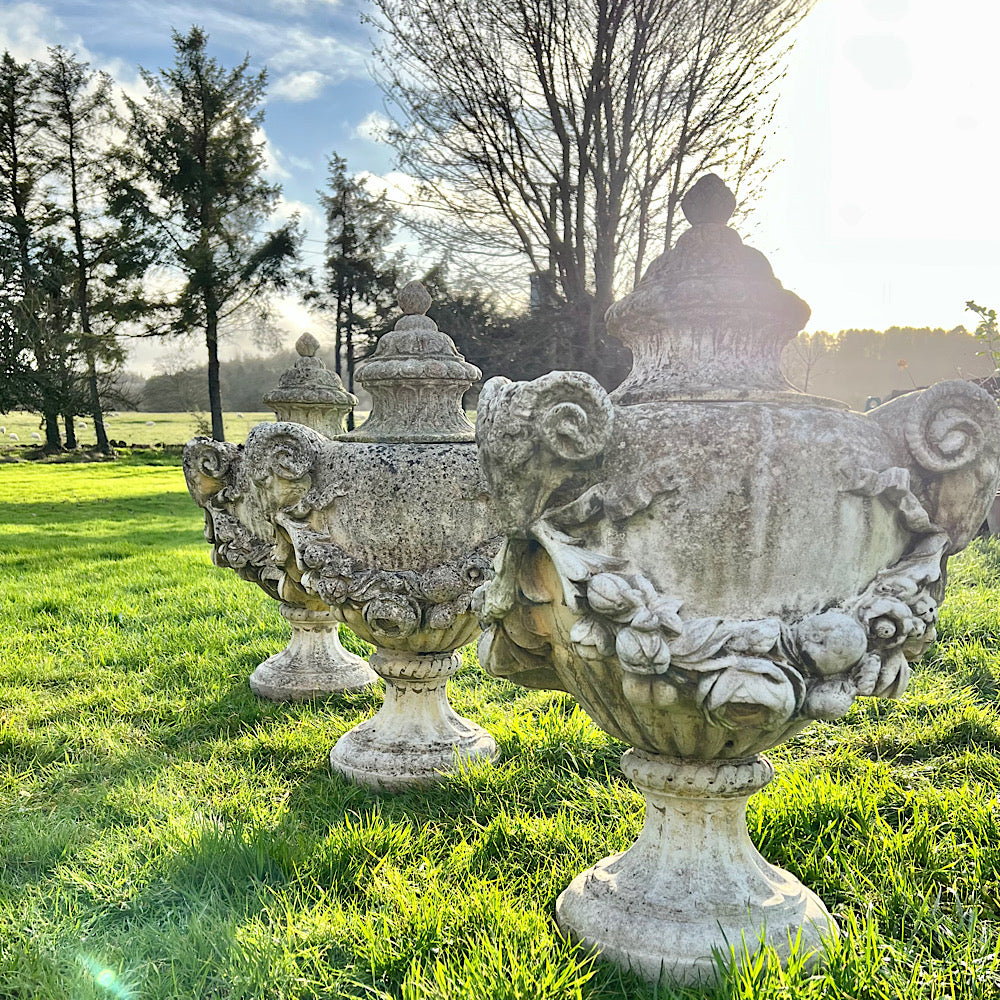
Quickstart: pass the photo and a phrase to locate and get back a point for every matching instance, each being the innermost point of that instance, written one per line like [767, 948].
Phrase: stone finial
[416, 378]
[414, 299]
[709, 318]
[309, 393]
[307, 346]
[709, 201]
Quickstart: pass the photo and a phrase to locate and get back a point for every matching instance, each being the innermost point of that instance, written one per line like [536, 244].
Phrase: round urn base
[693, 886]
[313, 665]
[417, 737]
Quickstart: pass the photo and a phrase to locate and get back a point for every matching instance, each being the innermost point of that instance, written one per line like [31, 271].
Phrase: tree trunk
[70, 421]
[53, 439]
[96, 411]
[349, 343]
[214, 386]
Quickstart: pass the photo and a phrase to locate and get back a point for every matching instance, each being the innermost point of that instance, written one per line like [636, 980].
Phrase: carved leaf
[700, 640]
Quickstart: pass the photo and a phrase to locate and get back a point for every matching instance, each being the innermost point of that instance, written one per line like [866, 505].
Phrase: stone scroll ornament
[314, 664]
[707, 561]
[391, 528]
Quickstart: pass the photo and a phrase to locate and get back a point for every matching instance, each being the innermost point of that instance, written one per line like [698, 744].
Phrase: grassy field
[165, 835]
[130, 427]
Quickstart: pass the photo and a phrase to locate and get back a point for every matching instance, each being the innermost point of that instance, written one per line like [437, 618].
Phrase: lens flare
[107, 979]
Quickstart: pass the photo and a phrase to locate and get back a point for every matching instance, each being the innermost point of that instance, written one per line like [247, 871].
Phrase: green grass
[165, 835]
[130, 427]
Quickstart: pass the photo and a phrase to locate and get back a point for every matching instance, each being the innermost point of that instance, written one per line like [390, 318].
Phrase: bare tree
[566, 132]
[805, 355]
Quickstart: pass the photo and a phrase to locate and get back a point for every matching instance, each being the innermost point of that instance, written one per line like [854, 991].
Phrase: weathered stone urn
[707, 561]
[391, 528]
[314, 664]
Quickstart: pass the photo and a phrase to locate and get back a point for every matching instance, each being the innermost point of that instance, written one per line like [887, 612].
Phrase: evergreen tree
[30, 257]
[198, 158]
[107, 259]
[360, 276]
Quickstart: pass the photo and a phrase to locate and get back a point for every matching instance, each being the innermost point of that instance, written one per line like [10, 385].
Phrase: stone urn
[707, 560]
[314, 664]
[390, 527]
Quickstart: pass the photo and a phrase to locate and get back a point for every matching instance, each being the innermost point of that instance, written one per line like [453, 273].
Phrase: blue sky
[883, 209]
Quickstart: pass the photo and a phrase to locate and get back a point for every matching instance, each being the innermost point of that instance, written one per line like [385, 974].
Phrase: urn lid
[309, 381]
[708, 320]
[416, 378]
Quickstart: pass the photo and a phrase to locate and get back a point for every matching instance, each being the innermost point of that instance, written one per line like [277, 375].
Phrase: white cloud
[299, 49]
[399, 188]
[298, 87]
[301, 6]
[309, 215]
[274, 168]
[26, 29]
[373, 127]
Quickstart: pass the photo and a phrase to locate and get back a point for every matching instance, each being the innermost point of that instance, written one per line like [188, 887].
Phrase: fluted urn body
[391, 527]
[707, 561]
[314, 663]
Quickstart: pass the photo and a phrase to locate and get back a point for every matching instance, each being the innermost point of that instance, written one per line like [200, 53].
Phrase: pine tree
[198, 158]
[107, 259]
[360, 275]
[30, 255]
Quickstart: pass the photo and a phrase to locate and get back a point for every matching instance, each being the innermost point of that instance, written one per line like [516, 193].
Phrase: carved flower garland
[394, 604]
[631, 620]
[763, 672]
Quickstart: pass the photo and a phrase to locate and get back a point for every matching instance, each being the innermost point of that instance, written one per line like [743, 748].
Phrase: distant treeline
[244, 383]
[851, 365]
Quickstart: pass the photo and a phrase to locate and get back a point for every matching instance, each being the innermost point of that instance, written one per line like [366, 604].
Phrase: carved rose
[749, 693]
[475, 571]
[890, 621]
[829, 643]
[392, 616]
[591, 639]
[315, 555]
[441, 584]
[642, 652]
[330, 589]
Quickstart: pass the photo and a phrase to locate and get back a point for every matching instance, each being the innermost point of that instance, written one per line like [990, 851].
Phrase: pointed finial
[709, 201]
[307, 346]
[414, 299]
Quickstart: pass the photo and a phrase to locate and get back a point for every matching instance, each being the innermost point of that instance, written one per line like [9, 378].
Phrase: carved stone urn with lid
[707, 561]
[391, 527]
[314, 664]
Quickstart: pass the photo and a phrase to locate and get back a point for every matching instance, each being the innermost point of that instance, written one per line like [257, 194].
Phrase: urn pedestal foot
[416, 735]
[693, 882]
[313, 665]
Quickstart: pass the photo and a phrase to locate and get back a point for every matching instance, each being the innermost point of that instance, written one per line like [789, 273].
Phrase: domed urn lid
[709, 318]
[309, 393]
[416, 378]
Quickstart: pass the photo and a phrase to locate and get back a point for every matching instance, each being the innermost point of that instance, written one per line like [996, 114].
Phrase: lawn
[129, 426]
[165, 835]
